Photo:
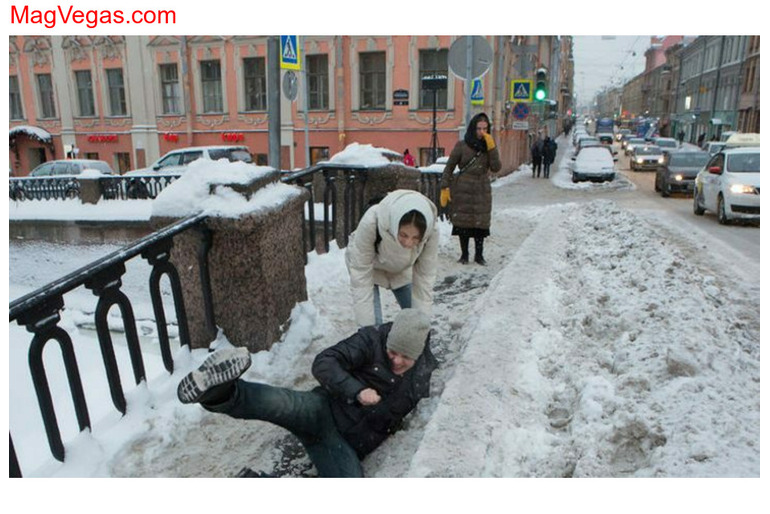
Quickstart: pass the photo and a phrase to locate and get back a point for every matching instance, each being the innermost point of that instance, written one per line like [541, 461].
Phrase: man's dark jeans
[306, 414]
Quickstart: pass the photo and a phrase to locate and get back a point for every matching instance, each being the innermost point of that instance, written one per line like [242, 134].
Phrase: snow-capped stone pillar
[255, 260]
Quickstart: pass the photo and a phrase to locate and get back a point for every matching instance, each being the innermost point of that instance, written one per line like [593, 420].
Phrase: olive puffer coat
[360, 362]
[471, 204]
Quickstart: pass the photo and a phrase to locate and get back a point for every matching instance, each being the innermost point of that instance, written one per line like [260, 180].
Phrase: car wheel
[71, 193]
[696, 207]
[721, 212]
[665, 190]
[657, 184]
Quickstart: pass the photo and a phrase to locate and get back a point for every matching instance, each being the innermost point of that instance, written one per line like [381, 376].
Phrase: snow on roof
[203, 188]
[36, 132]
[365, 155]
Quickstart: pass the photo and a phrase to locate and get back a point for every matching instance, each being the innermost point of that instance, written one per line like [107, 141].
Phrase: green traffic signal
[540, 93]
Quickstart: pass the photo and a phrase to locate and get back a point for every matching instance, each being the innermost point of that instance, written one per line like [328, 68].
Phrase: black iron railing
[40, 313]
[112, 187]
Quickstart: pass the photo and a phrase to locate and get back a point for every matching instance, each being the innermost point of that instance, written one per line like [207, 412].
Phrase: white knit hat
[409, 332]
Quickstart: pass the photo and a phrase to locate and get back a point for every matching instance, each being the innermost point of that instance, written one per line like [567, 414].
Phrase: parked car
[729, 186]
[584, 141]
[677, 175]
[713, 147]
[606, 139]
[176, 161]
[665, 143]
[593, 164]
[63, 183]
[70, 167]
[629, 144]
[646, 157]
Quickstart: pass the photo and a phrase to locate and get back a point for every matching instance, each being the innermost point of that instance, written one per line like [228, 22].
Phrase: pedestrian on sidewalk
[368, 383]
[680, 136]
[395, 246]
[549, 155]
[408, 159]
[468, 192]
[537, 156]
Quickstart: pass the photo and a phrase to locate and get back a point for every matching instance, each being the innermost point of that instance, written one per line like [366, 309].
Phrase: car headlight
[740, 189]
[639, 160]
[660, 160]
[678, 178]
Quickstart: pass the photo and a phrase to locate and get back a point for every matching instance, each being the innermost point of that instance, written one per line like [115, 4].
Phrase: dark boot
[480, 251]
[464, 240]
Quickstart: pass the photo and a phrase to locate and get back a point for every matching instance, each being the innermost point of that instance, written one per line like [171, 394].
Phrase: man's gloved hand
[490, 142]
[445, 197]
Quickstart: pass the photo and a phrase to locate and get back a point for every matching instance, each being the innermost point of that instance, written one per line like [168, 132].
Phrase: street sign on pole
[289, 84]
[290, 57]
[521, 90]
[477, 92]
[481, 57]
[520, 111]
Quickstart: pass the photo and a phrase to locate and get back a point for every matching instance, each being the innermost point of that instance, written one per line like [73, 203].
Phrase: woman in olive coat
[468, 192]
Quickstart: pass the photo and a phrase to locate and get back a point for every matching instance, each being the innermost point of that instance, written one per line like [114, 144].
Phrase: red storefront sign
[103, 138]
[233, 137]
[171, 138]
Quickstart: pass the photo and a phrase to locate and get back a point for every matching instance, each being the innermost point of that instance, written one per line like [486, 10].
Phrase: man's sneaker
[219, 368]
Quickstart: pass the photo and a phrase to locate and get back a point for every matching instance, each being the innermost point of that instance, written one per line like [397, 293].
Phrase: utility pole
[274, 102]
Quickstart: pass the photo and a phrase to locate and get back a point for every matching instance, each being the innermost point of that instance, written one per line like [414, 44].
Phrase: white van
[729, 185]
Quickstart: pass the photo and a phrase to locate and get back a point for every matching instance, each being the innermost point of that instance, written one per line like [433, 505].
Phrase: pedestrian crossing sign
[477, 92]
[290, 57]
[521, 90]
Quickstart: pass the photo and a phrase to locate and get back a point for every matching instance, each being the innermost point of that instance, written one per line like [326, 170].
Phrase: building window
[45, 90]
[15, 98]
[318, 81]
[372, 70]
[433, 62]
[85, 93]
[318, 154]
[255, 83]
[117, 92]
[426, 157]
[122, 162]
[261, 159]
[94, 156]
[211, 84]
[169, 87]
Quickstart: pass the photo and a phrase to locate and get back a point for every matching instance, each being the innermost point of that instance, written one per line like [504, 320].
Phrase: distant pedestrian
[701, 139]
[537, 156]
[395, 246]
[408, 159]
[468, 193]
[549, 155]
[681, 137]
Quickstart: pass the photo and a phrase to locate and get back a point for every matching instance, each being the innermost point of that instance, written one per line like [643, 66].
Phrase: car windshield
[666, 142]
[743, 163]
[636, 140]
[647, 150]
[689, 160]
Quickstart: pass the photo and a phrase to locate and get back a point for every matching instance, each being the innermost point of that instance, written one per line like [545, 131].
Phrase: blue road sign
[477, 92]
[521, 91]
[290, 58]
[520, 111]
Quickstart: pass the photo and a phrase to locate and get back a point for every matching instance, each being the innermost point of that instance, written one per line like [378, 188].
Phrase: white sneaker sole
[218, 368]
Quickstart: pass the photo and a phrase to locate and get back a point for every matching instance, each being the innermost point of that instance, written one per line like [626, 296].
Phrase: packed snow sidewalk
[596, 343]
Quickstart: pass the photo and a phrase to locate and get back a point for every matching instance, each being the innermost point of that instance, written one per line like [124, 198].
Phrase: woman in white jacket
[394, 246]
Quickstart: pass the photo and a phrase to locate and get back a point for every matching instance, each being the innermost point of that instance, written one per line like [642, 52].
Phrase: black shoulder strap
[377, 241]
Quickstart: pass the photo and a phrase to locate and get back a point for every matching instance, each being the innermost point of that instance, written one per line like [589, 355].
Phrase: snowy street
[608, 336]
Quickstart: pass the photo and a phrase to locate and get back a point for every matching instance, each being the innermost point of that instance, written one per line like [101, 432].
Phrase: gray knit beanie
[408, 334]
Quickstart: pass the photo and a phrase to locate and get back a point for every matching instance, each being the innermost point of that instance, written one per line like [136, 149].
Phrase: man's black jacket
[360, 362]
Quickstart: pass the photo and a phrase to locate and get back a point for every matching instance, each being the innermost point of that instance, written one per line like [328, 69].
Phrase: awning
[715, 121]
[41, 135]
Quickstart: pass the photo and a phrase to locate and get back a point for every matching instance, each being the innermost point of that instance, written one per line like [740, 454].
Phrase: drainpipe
[187, 85]
[716, 87]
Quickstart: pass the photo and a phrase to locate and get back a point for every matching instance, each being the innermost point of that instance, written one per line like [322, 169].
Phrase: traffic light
[541, 90]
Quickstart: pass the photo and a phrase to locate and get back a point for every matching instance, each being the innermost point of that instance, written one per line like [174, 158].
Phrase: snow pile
[91, 173]
[364, 155]
[36, 132]
[206, 187]
[614, 356]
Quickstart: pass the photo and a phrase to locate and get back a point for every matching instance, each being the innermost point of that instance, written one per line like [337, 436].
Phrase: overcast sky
[606, 60]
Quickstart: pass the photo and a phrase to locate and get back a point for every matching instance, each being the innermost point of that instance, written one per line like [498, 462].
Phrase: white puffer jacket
[391, 265]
